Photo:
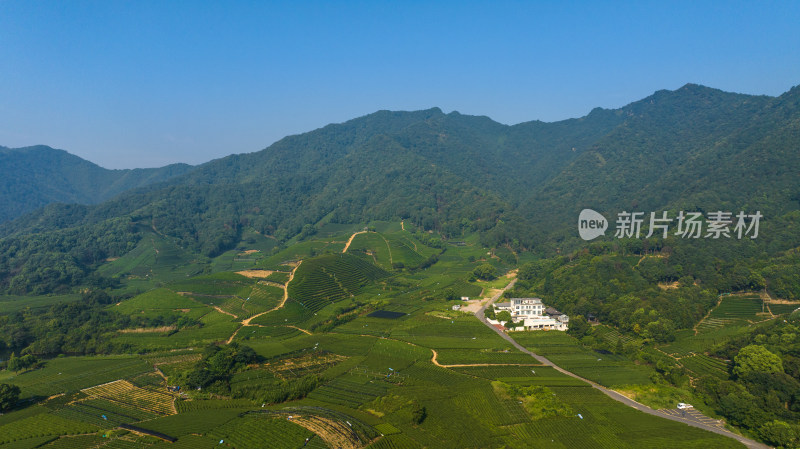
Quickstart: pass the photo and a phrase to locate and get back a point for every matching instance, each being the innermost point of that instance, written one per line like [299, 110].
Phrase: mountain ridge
[515, 185]
[35, 176]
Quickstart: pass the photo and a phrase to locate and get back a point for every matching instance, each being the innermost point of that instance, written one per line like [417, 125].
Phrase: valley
[319, 370]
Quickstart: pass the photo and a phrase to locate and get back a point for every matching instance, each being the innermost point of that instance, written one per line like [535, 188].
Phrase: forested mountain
[521, 186]
[692, 149]
[32, 177]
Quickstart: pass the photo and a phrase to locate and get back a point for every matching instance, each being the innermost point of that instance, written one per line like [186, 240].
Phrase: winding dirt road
[246, 322]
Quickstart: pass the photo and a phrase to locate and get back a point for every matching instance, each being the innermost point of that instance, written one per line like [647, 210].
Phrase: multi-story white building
[526, 307]
[530, 312]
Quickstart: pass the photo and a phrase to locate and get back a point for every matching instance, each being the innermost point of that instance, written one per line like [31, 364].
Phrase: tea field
[327, 371]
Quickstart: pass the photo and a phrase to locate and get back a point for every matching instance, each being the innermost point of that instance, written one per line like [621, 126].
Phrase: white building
[531, 313]
[526, 307]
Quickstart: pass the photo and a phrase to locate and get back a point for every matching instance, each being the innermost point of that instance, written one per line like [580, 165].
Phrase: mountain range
[522, 186]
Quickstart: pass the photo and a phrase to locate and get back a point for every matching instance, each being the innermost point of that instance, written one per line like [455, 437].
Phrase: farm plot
[278, 277]
[702, 365]
[42, 425]
[302, 365]
[155, 258]
[450, 424]
[350, 391]
[192, 421]
[161, 302]
[375, 246]
[609, 424]
[67, 374]
[405, 251]
[75, 442]
[337, 429]
[264, 297]
[214, 404]
[223, 283]
[272, 332]
[609, 334]
[780, 309]
[687, 343]
[292, 312]
[462, 333]
[103, 413]
[522, 375]
[427, 375]
[604, 368]
[326, 279]
[737, 307]
[483, 404]
[396, 441]
[216, 327]
[482, 356]
[124, 392]
[257, 432]
[710, 325]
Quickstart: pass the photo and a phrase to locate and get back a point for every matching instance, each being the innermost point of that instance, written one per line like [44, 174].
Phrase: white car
[683, 406]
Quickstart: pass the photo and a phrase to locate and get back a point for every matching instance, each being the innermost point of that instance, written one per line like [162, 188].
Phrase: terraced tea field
[702, 365]
[321, 281]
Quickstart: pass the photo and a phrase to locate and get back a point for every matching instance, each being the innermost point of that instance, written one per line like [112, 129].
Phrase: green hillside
[36, 176]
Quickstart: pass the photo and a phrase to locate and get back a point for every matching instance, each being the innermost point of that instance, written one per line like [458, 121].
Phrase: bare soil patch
[255, 273]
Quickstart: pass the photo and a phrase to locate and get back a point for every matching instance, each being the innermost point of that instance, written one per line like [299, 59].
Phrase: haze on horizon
[145, 84]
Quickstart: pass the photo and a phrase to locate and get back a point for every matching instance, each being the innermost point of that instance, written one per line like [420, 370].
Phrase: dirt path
[246, 322]
[298, 328]
[389, 247]
[222, 311]
[283, 301]
[402, 225]
[350, 240]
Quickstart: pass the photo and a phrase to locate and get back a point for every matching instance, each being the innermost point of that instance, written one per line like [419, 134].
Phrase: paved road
[691, 420]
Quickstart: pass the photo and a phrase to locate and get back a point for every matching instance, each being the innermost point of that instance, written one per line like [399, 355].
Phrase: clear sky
[146, 83]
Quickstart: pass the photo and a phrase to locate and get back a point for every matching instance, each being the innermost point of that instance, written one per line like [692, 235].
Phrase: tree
[418, 413]
[9, 394]
[486, 271]
[661, 330]
[742, 409]
[578, 326]
[504, 316]
[17, 364]
[756, 359]
[779, 433]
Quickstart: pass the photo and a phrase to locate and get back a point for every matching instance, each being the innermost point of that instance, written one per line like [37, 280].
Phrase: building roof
[502, 304]
[535, 300]
[552, 311]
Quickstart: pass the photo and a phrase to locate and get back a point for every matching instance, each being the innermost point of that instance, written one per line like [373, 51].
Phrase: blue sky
[143, 84]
